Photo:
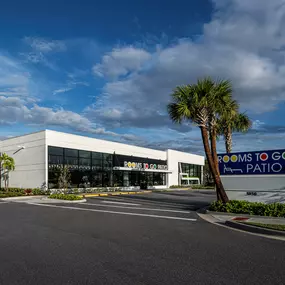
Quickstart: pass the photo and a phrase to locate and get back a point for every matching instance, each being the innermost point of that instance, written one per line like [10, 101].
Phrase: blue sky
[106, 68]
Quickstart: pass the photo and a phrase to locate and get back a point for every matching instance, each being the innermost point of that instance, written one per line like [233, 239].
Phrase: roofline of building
[49, 130]
[32, 133]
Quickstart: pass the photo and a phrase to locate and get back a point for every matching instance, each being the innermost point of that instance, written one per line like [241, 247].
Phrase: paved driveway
[144, 239]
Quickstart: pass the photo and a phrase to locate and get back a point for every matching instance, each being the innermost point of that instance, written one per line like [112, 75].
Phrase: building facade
[39, 158]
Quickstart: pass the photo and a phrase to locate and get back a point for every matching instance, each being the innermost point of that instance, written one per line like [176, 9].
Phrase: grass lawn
[268, 226]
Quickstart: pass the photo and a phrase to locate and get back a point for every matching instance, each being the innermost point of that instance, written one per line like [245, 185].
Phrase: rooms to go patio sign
[252, 163]
[140, 165]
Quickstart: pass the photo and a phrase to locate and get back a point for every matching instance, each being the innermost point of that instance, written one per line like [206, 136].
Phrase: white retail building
[96, 163]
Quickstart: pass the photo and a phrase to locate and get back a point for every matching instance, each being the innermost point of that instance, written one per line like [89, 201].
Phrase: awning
[142, 169]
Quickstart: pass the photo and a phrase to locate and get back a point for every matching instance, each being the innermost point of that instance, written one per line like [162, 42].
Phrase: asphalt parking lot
[153, 238]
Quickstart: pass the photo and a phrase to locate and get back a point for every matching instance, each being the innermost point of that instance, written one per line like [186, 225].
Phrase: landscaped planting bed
[16, 192]
[69, 197]
[268, 226]
[251, 208]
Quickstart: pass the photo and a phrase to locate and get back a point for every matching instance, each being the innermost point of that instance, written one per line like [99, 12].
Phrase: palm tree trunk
[6, 184]
[213, 140]
[216, 176]
[228, 139]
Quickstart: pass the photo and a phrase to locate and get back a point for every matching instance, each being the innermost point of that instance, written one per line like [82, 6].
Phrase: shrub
[14, 190]
[251, 208]
[75, 191]
[201, 187]
[28, 191]
[38, 191]
[70, 197]
[192, 186]
[10, 194]
[180, 186]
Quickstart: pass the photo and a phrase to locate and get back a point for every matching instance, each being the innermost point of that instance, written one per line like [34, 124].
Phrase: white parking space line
[113, 212]
[3, 202]
[122, 203]
[138, 208]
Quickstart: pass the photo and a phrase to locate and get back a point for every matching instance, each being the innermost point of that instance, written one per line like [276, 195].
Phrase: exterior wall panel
[30, 161]
[174, 157]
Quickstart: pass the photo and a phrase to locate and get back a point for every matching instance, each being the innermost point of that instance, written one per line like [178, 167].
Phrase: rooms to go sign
[139, 165]
[252, 163]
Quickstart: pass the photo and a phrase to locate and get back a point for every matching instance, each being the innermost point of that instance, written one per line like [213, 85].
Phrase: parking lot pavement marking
[114, 212]
[122, 203]
[138, 208]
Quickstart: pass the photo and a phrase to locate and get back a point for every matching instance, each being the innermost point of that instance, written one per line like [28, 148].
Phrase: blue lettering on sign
[252, 163]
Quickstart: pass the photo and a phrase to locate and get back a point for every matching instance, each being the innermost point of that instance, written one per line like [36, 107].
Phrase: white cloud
[61, 90]
[121, 61]
[45, 45]
[69, 86]
[18, 106]
[243, 42]
[41, 50]
[14, 79]
[16, 110]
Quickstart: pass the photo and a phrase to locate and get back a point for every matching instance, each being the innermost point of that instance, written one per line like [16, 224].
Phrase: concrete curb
[49, 200]
[114, 194]
[212, 220]
[22, 198]
[242, 215]
[254, 229]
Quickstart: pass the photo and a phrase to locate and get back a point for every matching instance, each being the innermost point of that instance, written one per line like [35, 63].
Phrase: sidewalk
[239, 222]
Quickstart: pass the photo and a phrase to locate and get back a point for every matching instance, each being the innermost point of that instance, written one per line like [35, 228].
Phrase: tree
[64, 177]
[221, 99]
[231, 121]
[7, 164]
[207, 175]
[199, 103]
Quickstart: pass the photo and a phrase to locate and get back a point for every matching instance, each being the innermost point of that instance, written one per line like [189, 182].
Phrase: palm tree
[7, 164]
[197, 104]
[233, 122]
[221, 99]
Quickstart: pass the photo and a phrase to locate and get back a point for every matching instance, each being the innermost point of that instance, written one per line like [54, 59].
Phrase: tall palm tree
[7, 164]
[221, 100]
[196, 103]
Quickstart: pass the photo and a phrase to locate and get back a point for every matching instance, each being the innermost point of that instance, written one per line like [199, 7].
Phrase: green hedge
[251, 208]
[13, 192]
[69, 197]
[180, 186]
[10, 194]
[202, 187]
[192, 186]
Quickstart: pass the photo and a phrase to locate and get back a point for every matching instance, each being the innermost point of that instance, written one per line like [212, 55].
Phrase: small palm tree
[233, 122]
[197, 104]
[7, 165]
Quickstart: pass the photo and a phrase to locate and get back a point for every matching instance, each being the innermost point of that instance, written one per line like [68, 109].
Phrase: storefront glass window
[95, 169]
[192, 170]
